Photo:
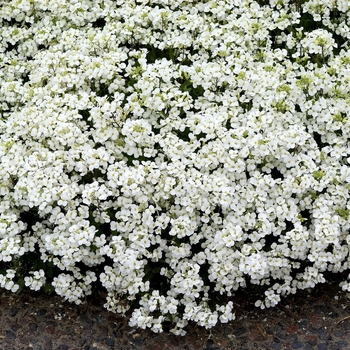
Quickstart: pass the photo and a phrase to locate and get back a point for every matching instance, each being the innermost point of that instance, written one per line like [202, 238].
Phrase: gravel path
[319, 319]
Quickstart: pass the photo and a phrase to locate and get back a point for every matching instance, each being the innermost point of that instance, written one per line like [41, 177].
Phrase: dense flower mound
[171, 153]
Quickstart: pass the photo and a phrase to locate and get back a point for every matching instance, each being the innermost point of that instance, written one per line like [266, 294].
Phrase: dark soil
[316, 319]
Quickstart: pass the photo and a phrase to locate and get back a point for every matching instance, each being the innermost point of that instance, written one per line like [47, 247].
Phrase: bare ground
[316, 319]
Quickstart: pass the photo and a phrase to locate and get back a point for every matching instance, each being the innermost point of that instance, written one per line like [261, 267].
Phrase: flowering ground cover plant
[171, 153]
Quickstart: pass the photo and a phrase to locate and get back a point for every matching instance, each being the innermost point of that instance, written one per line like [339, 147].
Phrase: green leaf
[343, 213]
[318, 175]
[48, 288]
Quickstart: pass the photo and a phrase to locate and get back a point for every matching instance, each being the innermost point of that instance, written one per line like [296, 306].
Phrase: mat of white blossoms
[171, 153]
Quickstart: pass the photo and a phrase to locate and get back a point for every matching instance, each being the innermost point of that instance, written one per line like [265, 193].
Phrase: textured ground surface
[319, 319]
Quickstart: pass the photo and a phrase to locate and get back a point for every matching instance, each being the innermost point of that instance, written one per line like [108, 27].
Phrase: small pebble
[109, 342]
[342, 344]
[10, 335]
[62, 347]
[297, 345]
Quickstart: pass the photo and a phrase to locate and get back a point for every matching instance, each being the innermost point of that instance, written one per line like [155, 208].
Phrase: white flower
[180, 150]
[319, 41]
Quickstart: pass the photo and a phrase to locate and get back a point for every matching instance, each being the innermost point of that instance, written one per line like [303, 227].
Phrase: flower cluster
[173, 152]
